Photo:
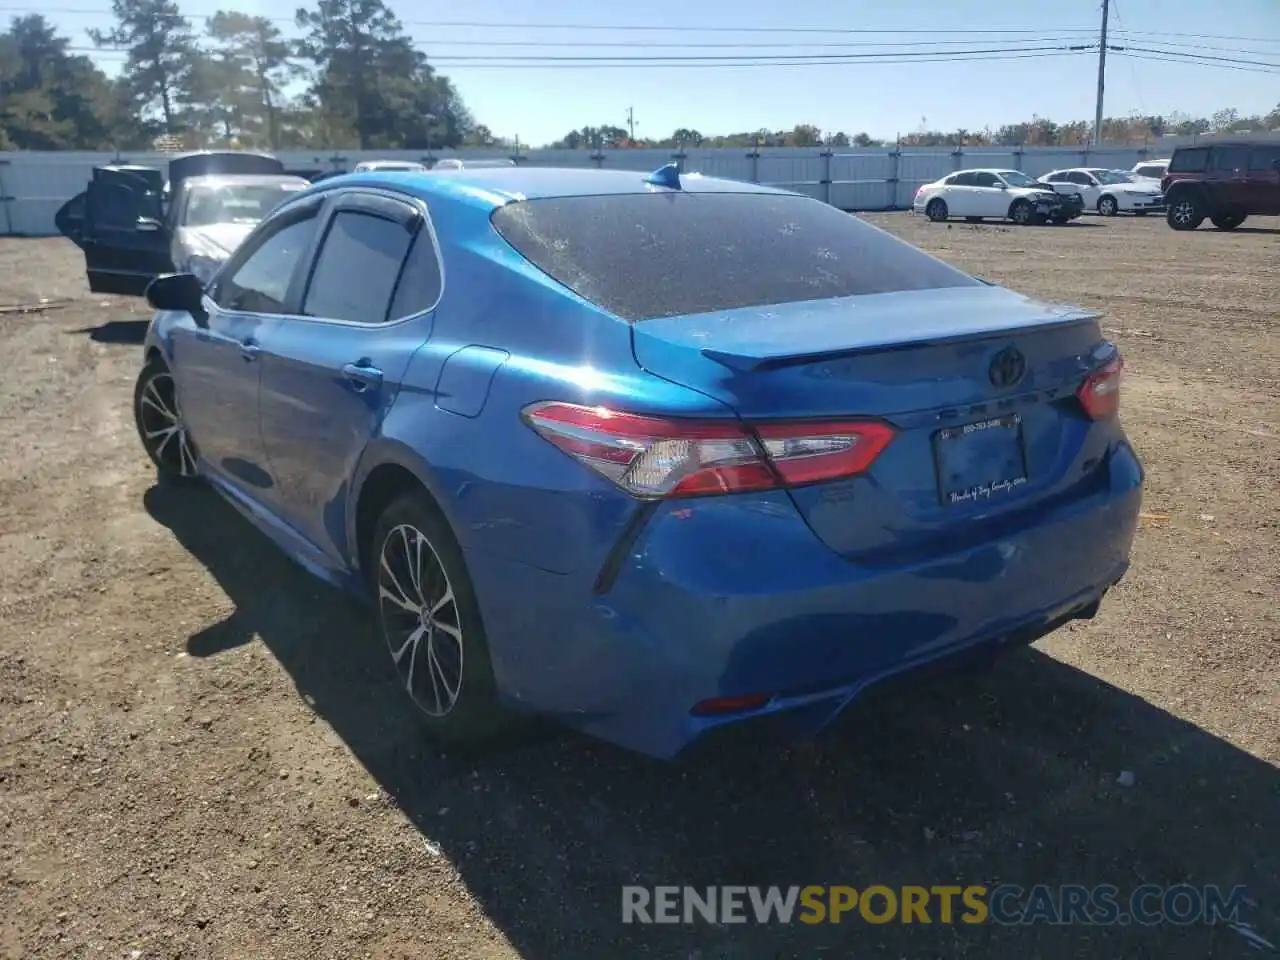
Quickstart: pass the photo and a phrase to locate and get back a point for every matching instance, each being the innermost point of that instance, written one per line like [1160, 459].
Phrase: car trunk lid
[978, 381]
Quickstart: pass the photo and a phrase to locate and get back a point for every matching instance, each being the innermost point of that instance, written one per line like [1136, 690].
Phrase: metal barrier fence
[34, 185]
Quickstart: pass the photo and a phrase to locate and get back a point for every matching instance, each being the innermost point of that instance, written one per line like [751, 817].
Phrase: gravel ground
[202, 753]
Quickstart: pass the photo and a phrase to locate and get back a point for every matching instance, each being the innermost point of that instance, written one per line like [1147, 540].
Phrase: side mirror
[179, 291]
[148, 225]
[1001, 185]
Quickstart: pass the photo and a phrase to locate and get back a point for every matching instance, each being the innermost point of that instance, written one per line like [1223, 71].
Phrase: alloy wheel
[1184, 211]
[420, 620]
[163, 430]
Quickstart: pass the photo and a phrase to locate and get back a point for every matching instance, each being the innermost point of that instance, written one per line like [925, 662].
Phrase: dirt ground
[203, 753]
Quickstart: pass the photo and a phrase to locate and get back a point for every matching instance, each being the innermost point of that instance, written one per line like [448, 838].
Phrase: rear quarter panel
[506, 336]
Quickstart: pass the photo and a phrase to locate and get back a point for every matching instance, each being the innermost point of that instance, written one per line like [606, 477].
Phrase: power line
[1197, 63]
[721, 64]
[518, 65]
[717, 29]
[763, 58]
[1198, 57]
[622, 27]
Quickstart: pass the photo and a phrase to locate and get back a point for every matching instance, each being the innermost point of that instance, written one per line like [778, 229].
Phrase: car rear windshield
[649, 255]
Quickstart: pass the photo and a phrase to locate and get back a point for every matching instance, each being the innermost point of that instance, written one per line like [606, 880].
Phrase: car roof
[1231, 142]
[259, 179]
[490, 187]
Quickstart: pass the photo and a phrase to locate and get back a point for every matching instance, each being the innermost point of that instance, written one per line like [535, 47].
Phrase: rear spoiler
[760, 338]
[760, 360]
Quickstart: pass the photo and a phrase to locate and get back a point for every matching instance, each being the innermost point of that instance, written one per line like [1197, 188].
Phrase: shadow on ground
[1008, 777]
[117, 331]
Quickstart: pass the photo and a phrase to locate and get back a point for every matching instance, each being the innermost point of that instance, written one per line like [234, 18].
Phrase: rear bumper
[735, 596]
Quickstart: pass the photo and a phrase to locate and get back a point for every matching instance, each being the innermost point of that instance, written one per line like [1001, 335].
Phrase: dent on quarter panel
[465, 379]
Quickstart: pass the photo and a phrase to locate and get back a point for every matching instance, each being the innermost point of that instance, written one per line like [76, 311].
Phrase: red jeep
[1222, 182]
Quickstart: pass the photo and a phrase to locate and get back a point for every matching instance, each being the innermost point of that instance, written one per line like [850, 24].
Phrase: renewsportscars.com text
[1066, 904]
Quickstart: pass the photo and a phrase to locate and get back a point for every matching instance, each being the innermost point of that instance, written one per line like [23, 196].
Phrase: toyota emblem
[1007, 367]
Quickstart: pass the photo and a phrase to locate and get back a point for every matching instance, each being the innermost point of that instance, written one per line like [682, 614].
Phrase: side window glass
[356, 271]
[984, 180]
[1192, 160]
[113, 206]
[420, 280]
[1264, 159]
[261, 283]
[1230, 159]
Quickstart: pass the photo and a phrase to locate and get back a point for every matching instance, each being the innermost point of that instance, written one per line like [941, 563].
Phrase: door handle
[362, 375]
[249, 351]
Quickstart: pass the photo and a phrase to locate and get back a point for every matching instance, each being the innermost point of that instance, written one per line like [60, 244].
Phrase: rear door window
[1230, 159]
[648, 255]
[1264, 159]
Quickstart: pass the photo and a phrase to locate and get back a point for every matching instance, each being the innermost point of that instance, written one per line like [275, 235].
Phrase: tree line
[354, 77]
[1036, 132]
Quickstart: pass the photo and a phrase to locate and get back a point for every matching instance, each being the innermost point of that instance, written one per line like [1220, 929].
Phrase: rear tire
[430, 620]
[936, 210]
[1228, 221]
[1186, 212]
[161, 428]
[1107, 206]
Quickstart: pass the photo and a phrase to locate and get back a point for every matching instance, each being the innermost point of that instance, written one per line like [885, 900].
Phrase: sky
[539, 103]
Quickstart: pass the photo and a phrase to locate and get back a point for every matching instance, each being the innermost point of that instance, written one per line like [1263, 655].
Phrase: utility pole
[631, 122]
[1102, 75]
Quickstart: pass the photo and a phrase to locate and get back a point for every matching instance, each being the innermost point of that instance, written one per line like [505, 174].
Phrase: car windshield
[1112, 177]
[1016, 178]
[648, 255]
[234, 203]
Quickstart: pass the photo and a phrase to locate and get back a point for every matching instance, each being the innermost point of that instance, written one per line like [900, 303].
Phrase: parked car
[404, 166]
[994, 194]
[1150, 170]
[1223, 182]
[647, 454]
[1108, 191]
[456, 163]
[133, 225]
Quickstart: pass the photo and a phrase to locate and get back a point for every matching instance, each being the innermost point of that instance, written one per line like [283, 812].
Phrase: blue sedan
[646, 454]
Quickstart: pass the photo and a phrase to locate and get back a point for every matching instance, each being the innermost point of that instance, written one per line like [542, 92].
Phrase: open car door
[121, 230]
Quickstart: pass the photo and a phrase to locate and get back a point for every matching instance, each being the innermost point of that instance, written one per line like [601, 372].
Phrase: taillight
[1100, 392]
[653, 457]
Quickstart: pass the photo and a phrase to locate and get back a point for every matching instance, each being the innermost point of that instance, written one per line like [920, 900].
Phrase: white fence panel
[34, 185]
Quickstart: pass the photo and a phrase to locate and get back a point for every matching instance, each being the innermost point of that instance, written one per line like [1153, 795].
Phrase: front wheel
[1185, 212]
[1108, 207]
[431, 622]
[1022, 213]
[160, 424]
[936, 210]
[1227, 221]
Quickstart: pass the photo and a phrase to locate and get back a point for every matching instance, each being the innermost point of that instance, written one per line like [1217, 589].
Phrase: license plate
[978, 461]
